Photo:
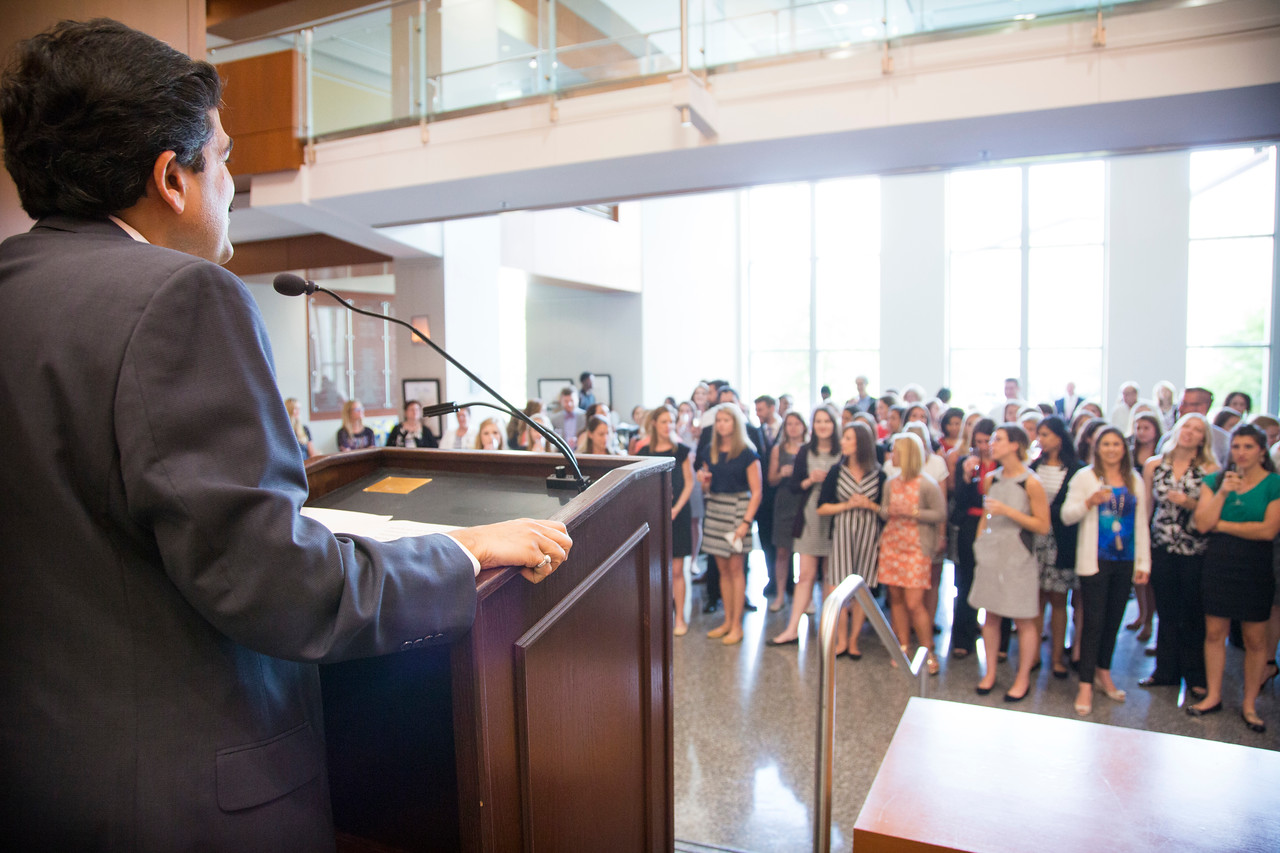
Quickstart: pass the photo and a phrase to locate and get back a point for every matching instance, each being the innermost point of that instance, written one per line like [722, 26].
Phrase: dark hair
[1196, 389]
[944, 394]
[928, 418]
[1224, 415]
[1151, 418]
[902, 412]
[726, 388]
[767, 400]
[825, 389]
[851, 408]
[1248, 401]
[1057, 426]
[1126, 461]
[835, 427]
[986, 427]
[87, 107]
[949, 415]
[865, 453]
[1259, 438]
[1084, 446]
[582, 377]
[888, 399]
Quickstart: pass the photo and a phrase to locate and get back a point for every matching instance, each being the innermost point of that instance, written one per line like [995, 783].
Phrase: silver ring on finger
[546, 558]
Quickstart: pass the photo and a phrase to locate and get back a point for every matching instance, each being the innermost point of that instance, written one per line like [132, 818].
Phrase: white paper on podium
[383, 528]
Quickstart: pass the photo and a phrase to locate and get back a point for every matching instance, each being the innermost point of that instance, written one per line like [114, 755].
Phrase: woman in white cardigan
[1108, 502]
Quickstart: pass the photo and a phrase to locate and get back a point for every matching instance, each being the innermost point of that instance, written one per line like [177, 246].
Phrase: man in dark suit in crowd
[1065, 406]
[587, 390]
[164, 604]
[770, 431]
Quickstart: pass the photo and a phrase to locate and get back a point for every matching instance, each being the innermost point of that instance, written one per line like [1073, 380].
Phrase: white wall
[913, 265]
[575, 246]
[1149, 215]
[691, 303]
[571, 330]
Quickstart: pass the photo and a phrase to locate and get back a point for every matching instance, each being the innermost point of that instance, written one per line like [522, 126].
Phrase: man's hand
[521, 542]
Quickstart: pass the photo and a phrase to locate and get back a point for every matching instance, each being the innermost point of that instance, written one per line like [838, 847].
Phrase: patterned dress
[902, 562]
[855, 537]
[1172, 527]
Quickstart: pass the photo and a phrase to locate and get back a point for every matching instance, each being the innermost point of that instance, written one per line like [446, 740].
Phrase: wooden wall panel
[309, 251]
[262, 112]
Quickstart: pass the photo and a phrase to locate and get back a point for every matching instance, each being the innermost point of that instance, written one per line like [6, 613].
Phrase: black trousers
[1175, 580]
[964, 619]
[1105, 596]
[764, 535]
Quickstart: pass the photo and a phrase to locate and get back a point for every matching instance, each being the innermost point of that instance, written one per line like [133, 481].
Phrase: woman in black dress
[663, 442]
[411, 432]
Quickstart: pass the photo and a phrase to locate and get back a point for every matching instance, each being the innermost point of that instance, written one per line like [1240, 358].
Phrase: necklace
[1117, 512]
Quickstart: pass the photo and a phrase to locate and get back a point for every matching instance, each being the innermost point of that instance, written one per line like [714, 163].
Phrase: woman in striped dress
[853, 498]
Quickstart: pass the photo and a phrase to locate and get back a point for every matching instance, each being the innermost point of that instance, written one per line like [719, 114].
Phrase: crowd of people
[1053, 509]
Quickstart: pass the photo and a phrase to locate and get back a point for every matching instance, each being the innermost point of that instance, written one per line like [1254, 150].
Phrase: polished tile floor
[746, 721]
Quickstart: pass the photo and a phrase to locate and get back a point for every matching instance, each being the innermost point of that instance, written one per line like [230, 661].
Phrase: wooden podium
[548, 726]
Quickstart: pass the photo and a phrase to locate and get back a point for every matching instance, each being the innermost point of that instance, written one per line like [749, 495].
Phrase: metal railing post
[851, 587]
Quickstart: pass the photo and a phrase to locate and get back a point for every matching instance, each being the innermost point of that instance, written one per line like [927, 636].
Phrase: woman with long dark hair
[1240, 510]
[1143, 441]
[1113, 548]
[852, 498]
[1056, 550]
[786, 503]
[966, 514]
[663, 441]
[1173, 480]
[813, 532]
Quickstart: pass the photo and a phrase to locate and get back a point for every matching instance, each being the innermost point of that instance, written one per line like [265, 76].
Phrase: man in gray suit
[163, 604]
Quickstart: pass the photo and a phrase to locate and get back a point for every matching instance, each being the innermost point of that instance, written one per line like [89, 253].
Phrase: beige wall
[177, 22]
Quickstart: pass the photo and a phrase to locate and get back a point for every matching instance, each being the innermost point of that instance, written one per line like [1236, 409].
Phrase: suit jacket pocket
[260, 772]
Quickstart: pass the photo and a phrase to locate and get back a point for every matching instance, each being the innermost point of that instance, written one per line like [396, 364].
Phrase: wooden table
[963, 777]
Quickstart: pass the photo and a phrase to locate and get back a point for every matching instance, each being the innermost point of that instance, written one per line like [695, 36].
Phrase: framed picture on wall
[549, 392]
[426, 392]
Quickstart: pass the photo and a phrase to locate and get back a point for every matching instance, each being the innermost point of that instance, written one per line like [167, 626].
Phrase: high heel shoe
[1115, 694]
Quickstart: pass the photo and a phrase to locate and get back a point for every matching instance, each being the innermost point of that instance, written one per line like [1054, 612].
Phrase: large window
[1230, 270]
[812, 256]
[1025, 269]
[352, 357]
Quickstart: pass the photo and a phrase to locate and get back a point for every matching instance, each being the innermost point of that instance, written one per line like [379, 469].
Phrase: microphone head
[288, 284]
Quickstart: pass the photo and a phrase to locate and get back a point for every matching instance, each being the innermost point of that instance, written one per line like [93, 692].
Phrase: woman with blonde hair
[911, 507]
[729, 472]
[1173, 481]
[659, 427]
[353, 434]
[300, 430]
[489, 435]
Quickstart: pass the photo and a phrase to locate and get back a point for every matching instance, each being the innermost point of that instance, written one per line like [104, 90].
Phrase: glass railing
[405, 62]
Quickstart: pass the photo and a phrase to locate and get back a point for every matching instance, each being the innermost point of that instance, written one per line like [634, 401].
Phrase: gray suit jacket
[162, 603]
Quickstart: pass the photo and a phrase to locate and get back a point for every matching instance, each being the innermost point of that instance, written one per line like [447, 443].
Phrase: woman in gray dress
[1006, 577]
[813, 532]
[786, 503]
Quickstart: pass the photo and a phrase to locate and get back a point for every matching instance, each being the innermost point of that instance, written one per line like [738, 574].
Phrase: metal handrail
[915, 669]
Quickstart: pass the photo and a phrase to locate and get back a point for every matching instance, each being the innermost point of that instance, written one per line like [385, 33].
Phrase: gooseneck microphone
[288, 284]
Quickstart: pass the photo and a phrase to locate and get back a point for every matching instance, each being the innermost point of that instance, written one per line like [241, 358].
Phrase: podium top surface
[452, 498]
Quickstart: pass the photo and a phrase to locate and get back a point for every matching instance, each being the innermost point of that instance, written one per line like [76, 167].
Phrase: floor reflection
[746, 721]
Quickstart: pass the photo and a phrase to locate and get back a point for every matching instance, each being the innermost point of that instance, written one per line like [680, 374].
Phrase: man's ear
[169, 181]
